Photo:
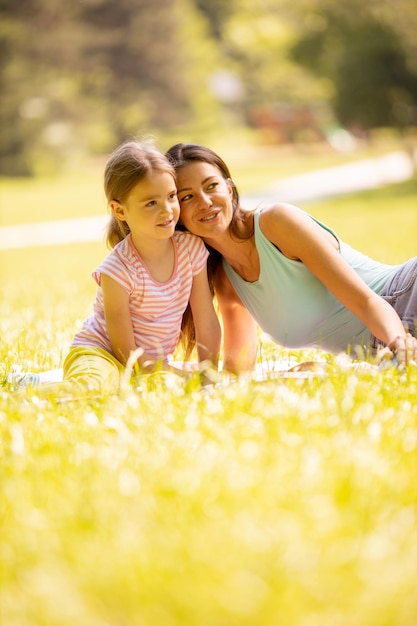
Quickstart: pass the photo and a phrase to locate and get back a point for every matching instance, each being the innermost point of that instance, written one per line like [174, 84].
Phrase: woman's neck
[232, 238]
[240, 254]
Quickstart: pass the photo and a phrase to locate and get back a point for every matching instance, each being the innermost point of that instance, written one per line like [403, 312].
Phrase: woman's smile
[210, 217]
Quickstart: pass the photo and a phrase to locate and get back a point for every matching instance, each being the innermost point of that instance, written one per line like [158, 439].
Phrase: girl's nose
[167, 208]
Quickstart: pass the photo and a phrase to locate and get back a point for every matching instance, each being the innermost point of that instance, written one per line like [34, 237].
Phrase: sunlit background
[281, 502]
[79, 77]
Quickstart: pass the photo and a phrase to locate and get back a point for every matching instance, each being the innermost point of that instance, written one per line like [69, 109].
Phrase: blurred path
[365, 174]
[394, 167]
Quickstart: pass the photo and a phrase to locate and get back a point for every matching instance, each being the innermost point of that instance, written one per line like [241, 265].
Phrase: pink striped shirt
[156, 309]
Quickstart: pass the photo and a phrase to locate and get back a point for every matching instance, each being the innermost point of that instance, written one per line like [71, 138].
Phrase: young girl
[146, 282]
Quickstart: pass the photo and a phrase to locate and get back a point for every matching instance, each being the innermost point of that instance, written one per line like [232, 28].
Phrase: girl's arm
[206, 323]
[120, 328]
[300, 238]
[118, 320]
[239, 328]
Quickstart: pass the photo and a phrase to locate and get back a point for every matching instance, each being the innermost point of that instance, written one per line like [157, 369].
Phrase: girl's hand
[404, 349]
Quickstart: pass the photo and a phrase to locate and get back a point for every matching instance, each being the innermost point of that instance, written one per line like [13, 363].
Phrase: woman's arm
[299, 237]
[239, 328]
[206, 323]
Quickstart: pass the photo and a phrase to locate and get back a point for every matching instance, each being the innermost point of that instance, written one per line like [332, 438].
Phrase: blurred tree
[87, 75]
[130, 70]
[364, 51]
[217, 13]
[254, 39]
[40, 42]
[146, 64]
[82, 76]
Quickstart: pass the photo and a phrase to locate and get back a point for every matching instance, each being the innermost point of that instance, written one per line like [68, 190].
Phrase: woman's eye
[151, 203]
[212, 186]
[185, 198]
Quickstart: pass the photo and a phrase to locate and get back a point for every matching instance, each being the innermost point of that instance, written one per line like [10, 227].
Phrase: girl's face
[151, 209]
[205, 199]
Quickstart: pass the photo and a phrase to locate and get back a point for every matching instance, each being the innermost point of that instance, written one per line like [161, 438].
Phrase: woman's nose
[204, 199]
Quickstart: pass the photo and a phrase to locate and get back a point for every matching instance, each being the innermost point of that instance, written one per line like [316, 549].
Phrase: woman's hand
[404, 349]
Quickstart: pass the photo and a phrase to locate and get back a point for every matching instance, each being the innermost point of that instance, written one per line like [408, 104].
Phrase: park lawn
[38, 200]
[80, 193]
[382, 222]
[286, 501]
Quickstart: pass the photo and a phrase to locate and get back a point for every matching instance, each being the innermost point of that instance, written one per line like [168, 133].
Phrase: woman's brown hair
[241, 225]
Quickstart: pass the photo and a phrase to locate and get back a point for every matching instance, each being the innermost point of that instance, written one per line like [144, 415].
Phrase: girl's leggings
[93, 369]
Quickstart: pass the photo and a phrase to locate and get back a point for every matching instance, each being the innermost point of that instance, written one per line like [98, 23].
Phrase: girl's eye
[151, 203]
[173, 196]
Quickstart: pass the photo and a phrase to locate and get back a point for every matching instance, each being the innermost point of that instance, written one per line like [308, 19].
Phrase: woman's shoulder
[281, 215]
[278, 211]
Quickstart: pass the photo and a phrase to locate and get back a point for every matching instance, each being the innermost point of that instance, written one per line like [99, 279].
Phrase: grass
[40, 200]
[380, 223]
[287, 501]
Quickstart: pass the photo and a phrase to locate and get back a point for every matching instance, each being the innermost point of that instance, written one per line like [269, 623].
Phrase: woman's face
[205, 199]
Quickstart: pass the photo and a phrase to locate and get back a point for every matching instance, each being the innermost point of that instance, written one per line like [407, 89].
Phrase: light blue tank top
[292, 306]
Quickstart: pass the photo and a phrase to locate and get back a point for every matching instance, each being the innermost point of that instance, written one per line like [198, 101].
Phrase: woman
[290, 273]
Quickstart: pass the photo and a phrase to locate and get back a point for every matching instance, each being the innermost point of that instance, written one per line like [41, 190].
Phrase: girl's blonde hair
[125, 168]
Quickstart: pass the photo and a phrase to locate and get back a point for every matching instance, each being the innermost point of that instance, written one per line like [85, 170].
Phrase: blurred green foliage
[79, 77]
